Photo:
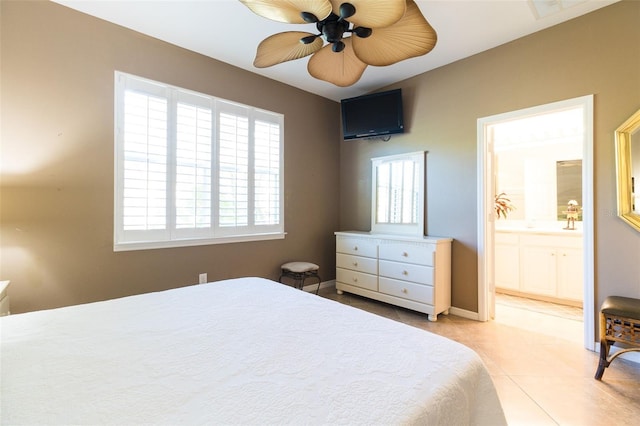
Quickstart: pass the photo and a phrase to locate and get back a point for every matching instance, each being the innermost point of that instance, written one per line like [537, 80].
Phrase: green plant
[503, 205]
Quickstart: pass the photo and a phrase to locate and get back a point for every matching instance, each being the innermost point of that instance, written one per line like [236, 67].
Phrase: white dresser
[412, 272]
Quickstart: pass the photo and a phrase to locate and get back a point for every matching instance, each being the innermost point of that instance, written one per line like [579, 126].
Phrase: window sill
[151, 245]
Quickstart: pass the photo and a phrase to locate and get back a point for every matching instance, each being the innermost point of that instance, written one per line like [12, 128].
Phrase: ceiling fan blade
[411, 36]
[373, 13]
[289, 10]
[283, 47]
[342, 69]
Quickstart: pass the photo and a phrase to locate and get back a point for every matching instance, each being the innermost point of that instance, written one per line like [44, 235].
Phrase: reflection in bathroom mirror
[398, 194]
[569, 184]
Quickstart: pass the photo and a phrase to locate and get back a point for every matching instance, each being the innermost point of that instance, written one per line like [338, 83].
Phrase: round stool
[299, 272]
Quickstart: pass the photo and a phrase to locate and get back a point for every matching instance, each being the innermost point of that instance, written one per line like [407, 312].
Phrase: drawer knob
[355, 248]
[355, 280]
[405, 272]
[404, 290]
[355, 263]
[405, 254]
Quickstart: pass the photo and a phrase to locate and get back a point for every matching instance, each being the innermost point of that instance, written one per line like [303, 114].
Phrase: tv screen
[377, 114]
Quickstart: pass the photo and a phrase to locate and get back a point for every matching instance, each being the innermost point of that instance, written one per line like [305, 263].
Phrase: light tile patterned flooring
[542, 373]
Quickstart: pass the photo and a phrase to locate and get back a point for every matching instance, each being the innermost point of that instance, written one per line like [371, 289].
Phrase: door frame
[486, 213]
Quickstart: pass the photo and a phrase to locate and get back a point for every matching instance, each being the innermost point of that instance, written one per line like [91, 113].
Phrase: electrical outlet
[202, 278]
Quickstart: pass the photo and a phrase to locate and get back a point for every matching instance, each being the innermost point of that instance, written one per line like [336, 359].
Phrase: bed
[241, 351]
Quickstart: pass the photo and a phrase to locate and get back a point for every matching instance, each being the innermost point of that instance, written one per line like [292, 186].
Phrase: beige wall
[56, 194]
[596, 54]
[56, 199]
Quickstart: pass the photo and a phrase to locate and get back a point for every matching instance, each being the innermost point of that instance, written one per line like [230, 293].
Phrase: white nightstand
[4, 298]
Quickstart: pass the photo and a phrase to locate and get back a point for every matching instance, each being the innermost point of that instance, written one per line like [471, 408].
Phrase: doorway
[493, 131]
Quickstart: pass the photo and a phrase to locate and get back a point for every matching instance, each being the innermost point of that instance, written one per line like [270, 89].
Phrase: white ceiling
[228, 31]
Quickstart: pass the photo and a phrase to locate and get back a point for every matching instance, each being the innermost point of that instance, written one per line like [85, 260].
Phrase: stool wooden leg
[603, 363]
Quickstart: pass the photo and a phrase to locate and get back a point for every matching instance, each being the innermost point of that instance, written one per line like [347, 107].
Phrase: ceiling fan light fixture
[347, 10]
[309, 17]
[362, 32]
[338, 46]
[308, 39]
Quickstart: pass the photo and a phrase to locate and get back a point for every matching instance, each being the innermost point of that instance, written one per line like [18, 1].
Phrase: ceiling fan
[358, 33]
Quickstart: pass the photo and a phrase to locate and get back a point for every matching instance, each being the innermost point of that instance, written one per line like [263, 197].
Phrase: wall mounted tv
[373, 115]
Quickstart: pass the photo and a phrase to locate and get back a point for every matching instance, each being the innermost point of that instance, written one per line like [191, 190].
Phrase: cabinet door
[538, 269]
[570, 274]
[507, 269]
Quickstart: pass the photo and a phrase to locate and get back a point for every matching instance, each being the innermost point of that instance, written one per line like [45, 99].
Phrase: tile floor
[542, 373]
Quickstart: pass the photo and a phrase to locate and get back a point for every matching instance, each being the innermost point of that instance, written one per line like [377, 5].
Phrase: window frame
[214, 233]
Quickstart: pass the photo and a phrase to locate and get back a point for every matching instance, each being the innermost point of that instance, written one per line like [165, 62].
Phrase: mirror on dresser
[628, 169]
[397, 194]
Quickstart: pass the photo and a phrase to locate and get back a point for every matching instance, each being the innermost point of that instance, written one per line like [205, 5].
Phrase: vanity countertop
[541, 230]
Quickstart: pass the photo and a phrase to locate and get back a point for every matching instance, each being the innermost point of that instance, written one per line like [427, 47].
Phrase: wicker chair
[619, 323]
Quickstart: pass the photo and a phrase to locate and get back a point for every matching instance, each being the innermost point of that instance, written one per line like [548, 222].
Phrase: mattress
[241, 351]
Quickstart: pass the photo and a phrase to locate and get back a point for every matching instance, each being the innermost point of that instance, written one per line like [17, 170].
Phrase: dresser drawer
[358, 279]
[406, 272]
[356, 263]
[406, 290]
[357, 247]
[423, 254]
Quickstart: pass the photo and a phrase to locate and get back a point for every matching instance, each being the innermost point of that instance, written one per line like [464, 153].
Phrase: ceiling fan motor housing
[332, 28]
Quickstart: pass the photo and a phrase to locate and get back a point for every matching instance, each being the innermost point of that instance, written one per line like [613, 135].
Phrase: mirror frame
[624, 170]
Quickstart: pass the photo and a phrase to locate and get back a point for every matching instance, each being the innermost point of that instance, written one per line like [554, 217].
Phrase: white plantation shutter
[194, 149]
[249, 170]
[145, 168]
[267, 172]
[192, 169]
[141, 162]
[233, 169]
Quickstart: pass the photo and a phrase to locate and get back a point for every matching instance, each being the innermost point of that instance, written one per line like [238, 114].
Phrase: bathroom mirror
[628, 147]
[569, 187]
[398, 194]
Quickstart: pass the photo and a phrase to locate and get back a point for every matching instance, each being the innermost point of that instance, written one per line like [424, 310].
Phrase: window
[191, 169]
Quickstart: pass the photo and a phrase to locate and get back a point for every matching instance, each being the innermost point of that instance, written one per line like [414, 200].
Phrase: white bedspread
[245, 351]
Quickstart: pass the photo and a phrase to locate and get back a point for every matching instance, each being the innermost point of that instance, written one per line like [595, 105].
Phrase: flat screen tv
[373, 115]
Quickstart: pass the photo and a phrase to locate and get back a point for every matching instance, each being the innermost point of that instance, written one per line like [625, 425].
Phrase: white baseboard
[464, 313]
[311, 288]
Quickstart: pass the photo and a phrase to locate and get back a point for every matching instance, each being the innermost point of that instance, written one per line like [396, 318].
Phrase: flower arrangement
[503, 205]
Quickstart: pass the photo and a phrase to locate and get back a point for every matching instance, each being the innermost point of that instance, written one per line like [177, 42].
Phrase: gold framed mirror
[628, 168]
